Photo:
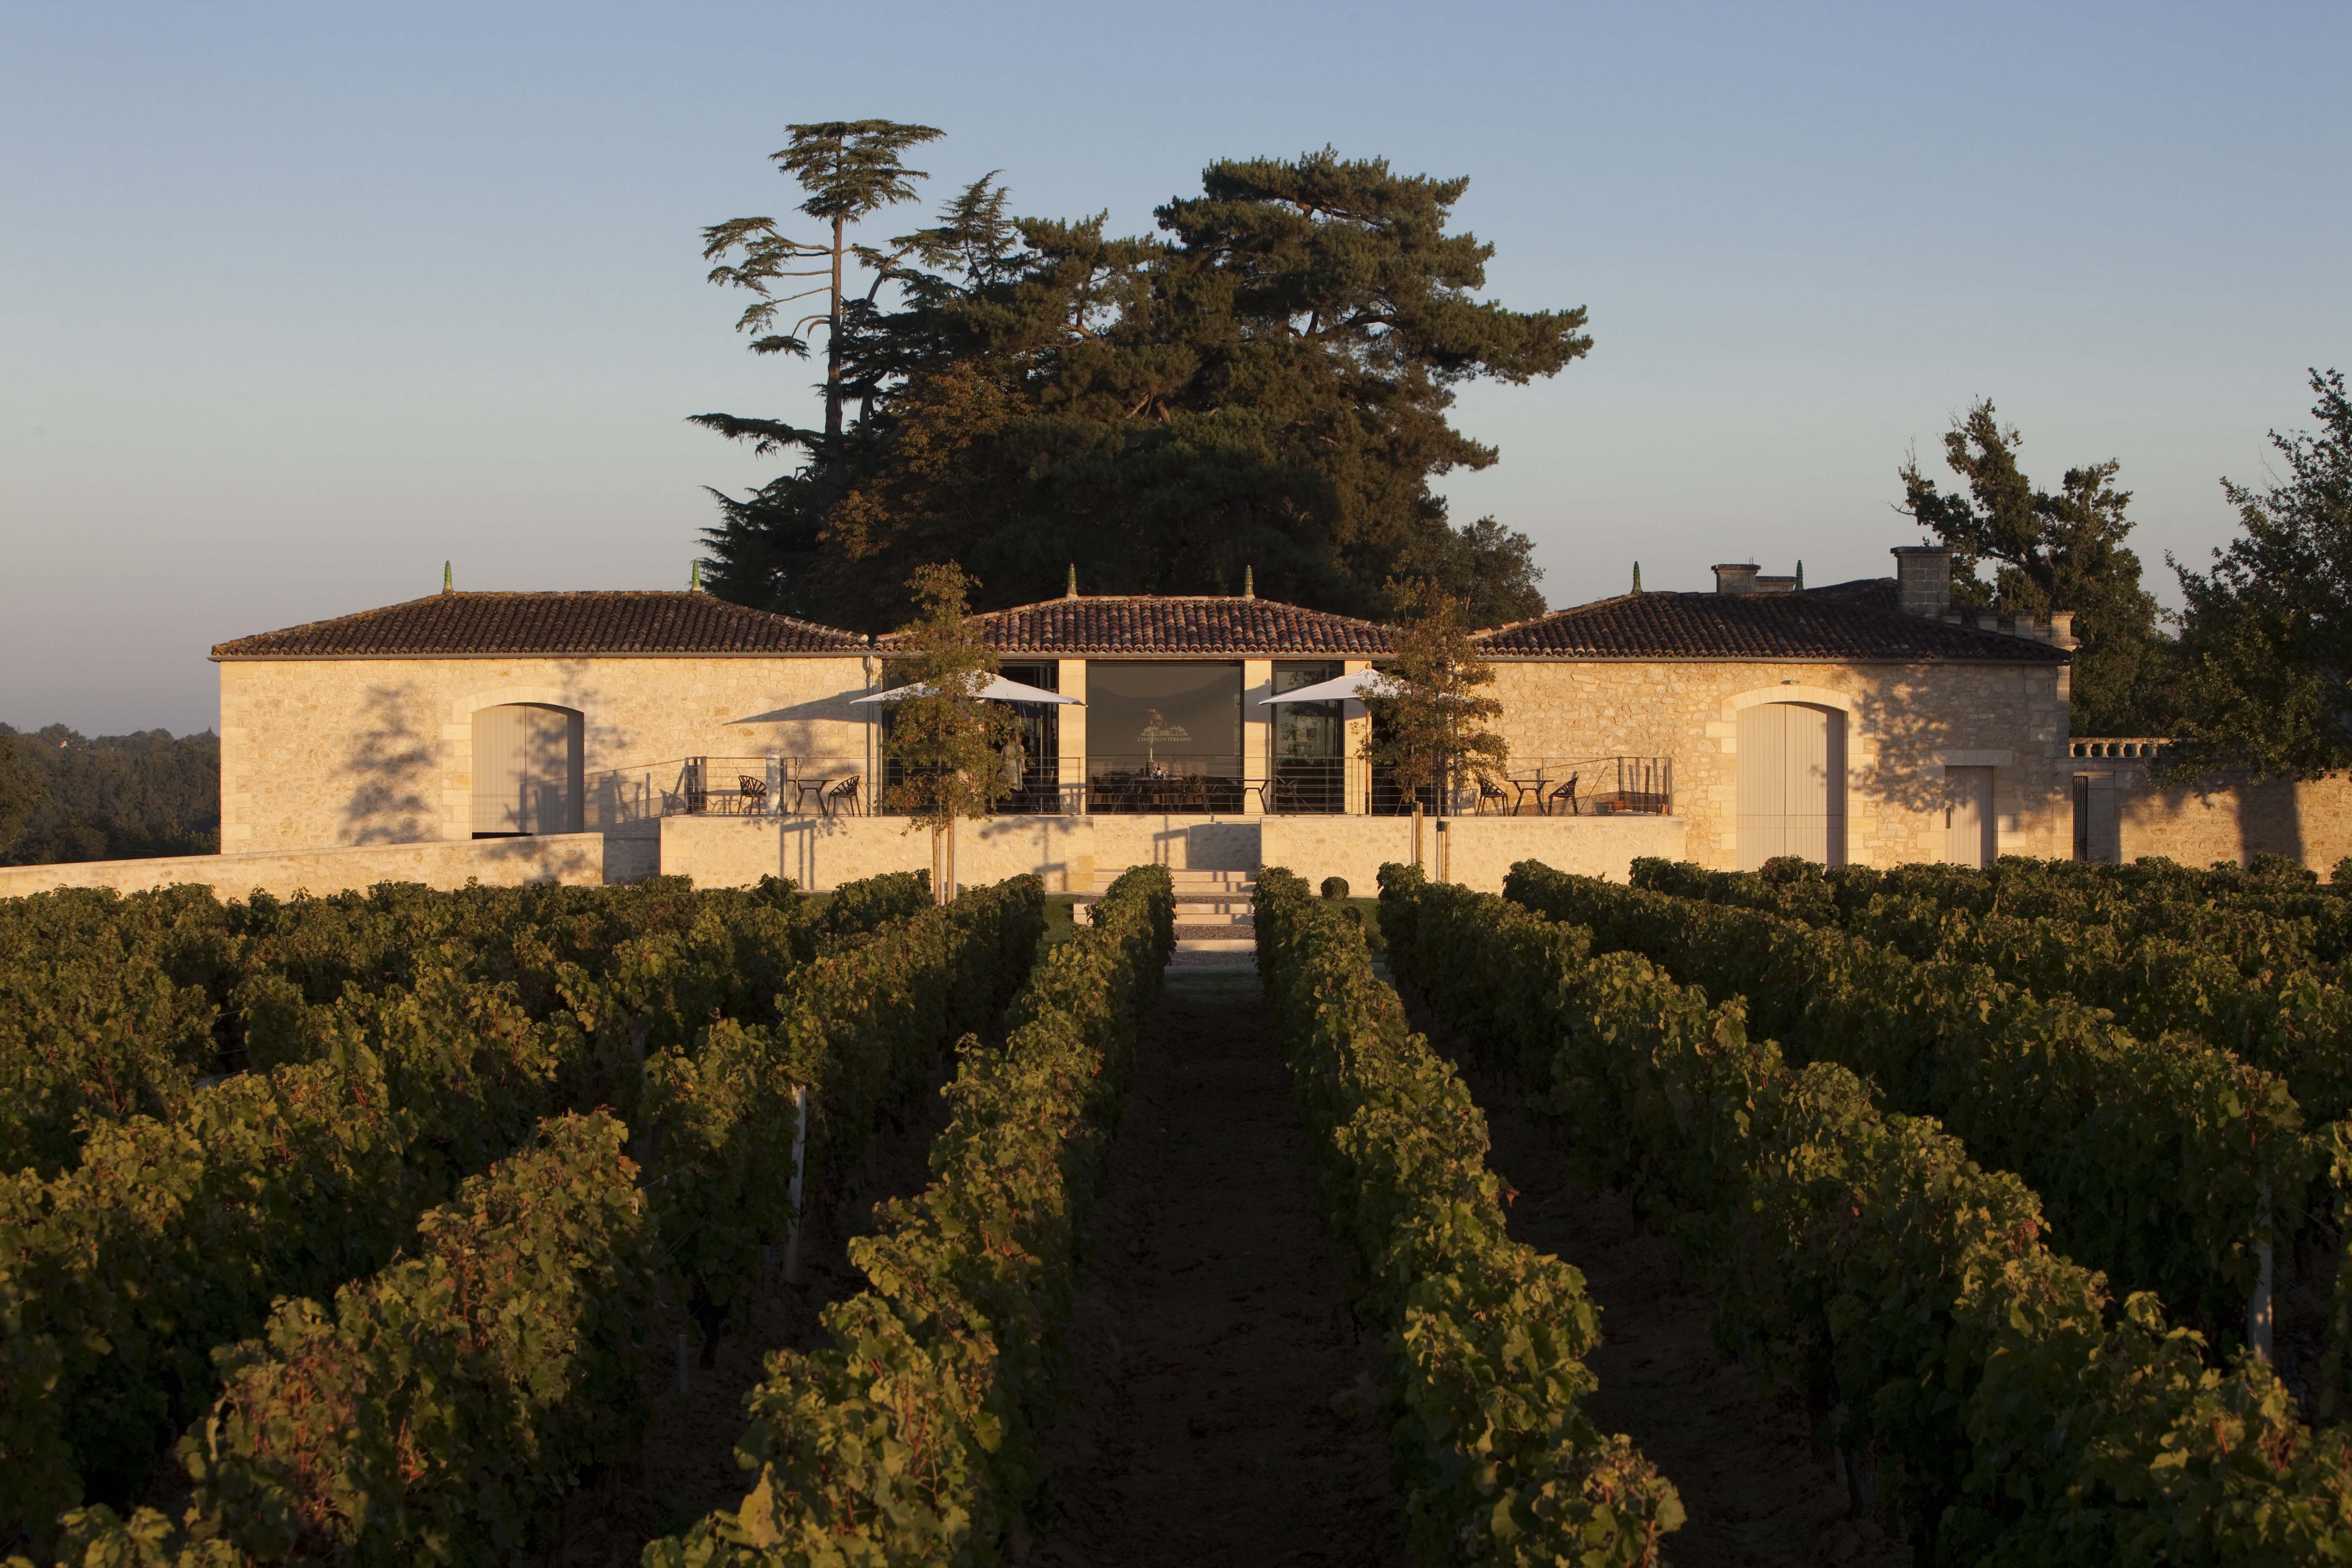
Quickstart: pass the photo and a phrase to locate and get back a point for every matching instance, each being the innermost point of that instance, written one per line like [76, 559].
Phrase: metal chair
[751, 796]
[838, 795]
[1567, 793]
[1489, 790]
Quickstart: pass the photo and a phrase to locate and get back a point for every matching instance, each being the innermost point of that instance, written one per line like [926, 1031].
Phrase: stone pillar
[1257, 734]
[1358, 721]
[1071, 773]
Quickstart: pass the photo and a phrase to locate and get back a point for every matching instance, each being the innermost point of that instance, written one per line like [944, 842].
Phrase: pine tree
[1264, 386]
[2267, 637]
[851, 169]
[2062, 550]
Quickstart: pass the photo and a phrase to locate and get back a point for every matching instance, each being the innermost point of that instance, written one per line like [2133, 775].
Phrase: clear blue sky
[298, 301]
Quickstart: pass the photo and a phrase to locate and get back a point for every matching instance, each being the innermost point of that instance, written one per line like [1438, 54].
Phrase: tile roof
[1839, 624]
[1230, 626]
[459, 626]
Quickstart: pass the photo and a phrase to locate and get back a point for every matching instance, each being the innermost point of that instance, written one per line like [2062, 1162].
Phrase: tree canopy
[2052, 550]
[64, 796]
[1264, 384]
[2266, 635]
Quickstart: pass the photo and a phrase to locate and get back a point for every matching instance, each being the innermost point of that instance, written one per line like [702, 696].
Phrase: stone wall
[1905, 724]
[819, 853]
[2226, 818]
[581, 860]
[348, 751]
[1480, 849]
[1080, 854]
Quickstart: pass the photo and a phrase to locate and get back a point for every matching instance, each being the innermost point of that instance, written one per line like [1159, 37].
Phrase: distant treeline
[64, 796]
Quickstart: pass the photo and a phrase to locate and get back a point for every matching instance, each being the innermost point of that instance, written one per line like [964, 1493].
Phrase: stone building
[1867, 722]
[603, 734]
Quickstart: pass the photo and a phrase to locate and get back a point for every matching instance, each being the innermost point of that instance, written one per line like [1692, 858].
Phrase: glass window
[1309, 743]
[1163, 736]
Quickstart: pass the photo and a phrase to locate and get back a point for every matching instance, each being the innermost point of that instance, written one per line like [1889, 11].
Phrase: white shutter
[526, 769]
[1791, 784]
[1968, 816]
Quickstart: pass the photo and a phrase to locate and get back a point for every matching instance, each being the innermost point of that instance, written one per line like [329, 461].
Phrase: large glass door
[1163, 736]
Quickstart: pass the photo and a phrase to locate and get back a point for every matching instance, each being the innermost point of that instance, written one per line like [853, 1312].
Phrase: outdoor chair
[1489, 790]
[1565, 795]
[752, 795]
[838, 795]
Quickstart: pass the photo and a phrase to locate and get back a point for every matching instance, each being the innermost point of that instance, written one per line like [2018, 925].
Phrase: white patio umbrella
[1362, 684]
[998, 690]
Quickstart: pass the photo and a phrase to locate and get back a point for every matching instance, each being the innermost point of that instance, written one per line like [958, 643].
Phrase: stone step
[1188, 882]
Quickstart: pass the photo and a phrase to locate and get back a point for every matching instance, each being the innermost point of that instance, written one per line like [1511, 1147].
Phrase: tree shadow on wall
[393, 761]
[1908, 729]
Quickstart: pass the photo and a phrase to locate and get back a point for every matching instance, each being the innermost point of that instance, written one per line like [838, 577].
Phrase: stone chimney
[1923, 580]
[2062, 630]
[1736, 579]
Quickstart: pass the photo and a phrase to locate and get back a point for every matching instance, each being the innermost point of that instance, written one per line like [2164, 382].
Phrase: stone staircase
[1214, 930]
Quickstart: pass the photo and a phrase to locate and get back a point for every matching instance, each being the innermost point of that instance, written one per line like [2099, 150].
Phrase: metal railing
[729, 786]
[1542, 787]
[778, 786]
[1198, 786]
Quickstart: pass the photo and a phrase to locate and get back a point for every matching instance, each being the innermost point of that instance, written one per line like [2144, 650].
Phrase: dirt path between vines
[1214, 1416]
[1756, 1491]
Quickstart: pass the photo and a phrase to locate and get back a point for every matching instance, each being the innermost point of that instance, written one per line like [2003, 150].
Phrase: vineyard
[2000, 1213]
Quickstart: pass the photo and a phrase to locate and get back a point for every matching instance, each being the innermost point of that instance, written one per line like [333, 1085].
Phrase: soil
[1756, 1488]
[1217, 1411]
[686, 1462]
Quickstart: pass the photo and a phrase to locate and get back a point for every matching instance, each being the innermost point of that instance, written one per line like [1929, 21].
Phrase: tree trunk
[832, 353]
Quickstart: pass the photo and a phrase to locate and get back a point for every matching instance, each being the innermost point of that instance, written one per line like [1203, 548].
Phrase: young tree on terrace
[946, 737]
[2062, 550]
[2267, 634]
[1428, 727]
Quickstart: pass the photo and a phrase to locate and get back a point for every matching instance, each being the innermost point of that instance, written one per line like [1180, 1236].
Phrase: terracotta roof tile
[1839, 624]
[1230, 626]
[554, 625]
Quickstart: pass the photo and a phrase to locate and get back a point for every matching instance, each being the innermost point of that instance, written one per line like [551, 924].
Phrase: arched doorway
[1792, 774]
[527, 771]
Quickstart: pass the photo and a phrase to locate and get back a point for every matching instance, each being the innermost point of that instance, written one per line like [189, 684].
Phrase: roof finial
[1249, 582]
[1637, 576]
[1800, 576]
[694, 579]
[1071, 592]
[447, 585]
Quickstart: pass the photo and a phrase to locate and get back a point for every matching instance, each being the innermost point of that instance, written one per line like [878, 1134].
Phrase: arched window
[526, 769]
[1791, 784]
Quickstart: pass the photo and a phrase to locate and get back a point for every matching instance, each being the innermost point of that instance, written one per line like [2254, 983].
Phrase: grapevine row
[2247, 981]
[1487, 1336]
[330, 1437]
[913, 1438]
[2263, 916]
[2169, 1163]
[172, 1236]
[2003, 1408]
[112, 1006]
